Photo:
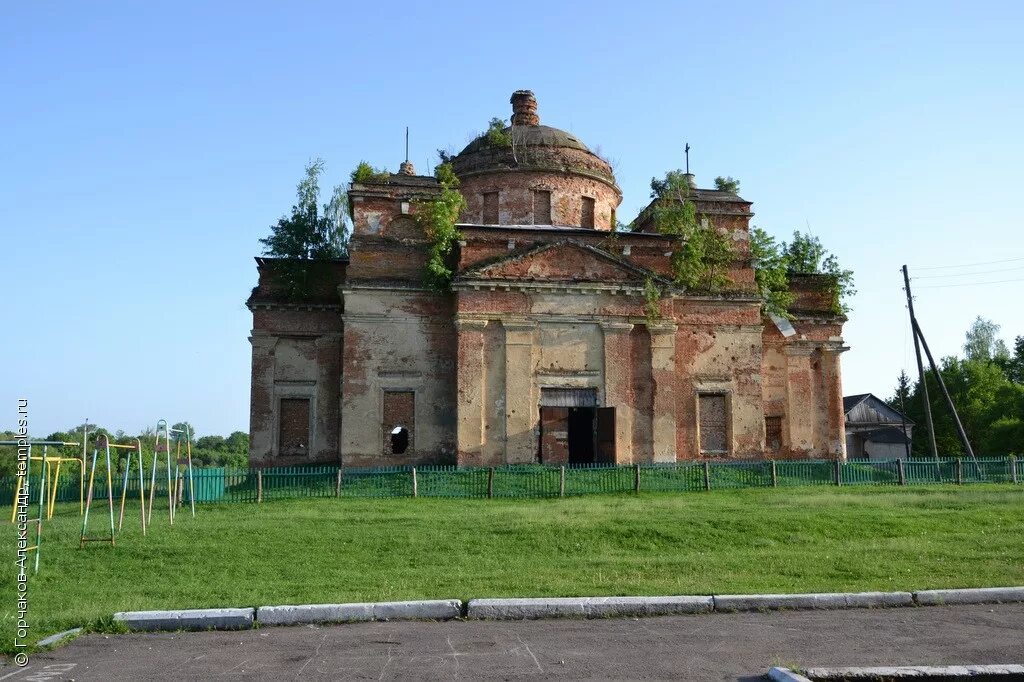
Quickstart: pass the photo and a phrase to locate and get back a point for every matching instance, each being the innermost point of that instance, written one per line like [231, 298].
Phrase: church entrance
[573, 429]
[580, 435]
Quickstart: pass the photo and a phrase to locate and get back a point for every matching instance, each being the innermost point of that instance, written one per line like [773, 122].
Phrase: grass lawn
[328, 550]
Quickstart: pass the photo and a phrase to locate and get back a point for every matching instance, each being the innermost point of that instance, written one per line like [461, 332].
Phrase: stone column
[521, 407]
[261, 398]
[617, 376]
[663, 376]
[834, 421]
[469, 390]
[800, 406]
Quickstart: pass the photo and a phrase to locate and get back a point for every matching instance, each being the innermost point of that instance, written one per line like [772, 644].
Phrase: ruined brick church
[544, 351]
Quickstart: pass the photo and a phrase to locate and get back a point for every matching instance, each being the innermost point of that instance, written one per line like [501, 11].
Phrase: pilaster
[617, 376]
[521, 405]
[469, 390]
[663, 376]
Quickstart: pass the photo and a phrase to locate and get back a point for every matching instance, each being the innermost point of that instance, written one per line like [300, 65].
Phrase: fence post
[901, 471]
[707, 475]
[259, 486]
[490, 483]
[561, 481]
[337, 483]
[959, 471]
[775, 475]
[636, 478]
[1013, 468]
[415, 486]
[839, 472]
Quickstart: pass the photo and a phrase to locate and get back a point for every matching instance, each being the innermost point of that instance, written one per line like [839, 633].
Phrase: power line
[969, 274]
[968, 284]
[966, 265]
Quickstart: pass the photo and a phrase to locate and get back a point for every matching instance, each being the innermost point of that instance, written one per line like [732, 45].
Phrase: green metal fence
[222, 484]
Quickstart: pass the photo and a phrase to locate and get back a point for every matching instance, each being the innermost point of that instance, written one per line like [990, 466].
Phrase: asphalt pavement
[715, 646]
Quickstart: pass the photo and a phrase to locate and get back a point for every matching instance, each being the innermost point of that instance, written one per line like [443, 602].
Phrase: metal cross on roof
[687, 151]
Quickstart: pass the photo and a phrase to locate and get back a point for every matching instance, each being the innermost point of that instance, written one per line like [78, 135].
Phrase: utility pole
[945, 394]
[920, 366]
[903, 415]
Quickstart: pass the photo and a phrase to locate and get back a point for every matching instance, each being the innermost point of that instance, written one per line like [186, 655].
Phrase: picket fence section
[220, 484]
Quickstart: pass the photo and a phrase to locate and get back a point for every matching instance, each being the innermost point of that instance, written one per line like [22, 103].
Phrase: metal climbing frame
[110, 493]
[179, 481]
[136, 451]
[52, 468]
[162, 430]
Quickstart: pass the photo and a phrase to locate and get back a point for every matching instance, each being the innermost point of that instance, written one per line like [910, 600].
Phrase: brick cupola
[524, 108]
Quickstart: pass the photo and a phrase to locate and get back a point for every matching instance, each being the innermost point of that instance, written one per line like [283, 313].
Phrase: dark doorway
[581, 435]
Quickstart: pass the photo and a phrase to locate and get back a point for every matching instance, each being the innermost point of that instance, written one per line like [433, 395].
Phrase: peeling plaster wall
[400, 341]
[295, 354]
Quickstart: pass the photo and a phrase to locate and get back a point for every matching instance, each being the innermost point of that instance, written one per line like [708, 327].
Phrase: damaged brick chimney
[524, 108]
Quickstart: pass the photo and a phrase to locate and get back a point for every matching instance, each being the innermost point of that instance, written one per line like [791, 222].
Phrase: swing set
[182, 467]
[134, 453]
[50, 471]
[48, 481]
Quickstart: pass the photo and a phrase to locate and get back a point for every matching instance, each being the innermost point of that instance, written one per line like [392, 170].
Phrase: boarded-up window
[399, 421]
[293, 427]
[587, 217]
[773, 433]
[490, 216]
[712, 408]
[541, 207]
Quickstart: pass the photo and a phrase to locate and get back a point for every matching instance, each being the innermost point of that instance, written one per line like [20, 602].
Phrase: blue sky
[146, 148]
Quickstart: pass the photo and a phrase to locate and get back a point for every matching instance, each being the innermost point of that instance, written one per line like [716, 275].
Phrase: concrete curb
[585, 607]
[188, 619]
[828, 600]
[979, 595]
[783, 675]
[553, 607]
[438, 609]
[54, 639]
[914, 671]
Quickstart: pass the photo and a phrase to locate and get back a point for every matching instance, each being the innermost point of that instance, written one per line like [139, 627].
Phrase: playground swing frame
[137, 450]
[23, 491]
[179, 484]
[110, 492]
[175, 482]
[51, 501]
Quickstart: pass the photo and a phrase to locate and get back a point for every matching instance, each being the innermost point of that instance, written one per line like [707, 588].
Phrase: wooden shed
[874, 430]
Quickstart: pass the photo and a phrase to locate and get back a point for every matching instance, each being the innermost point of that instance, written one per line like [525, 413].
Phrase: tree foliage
[365, 173]
[806, 255]
[982, 342]
[770, 272]
[727, 184]
[312, 232]
[989, 401]
[496, 134]
[702, 253]
[438, 218]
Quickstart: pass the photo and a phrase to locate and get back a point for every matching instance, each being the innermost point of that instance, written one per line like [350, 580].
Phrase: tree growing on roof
[312, 231]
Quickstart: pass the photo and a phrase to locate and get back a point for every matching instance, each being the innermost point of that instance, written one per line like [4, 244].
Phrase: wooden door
[605, 435]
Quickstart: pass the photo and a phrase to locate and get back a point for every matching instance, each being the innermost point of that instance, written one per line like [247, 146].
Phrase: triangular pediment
[562, 261]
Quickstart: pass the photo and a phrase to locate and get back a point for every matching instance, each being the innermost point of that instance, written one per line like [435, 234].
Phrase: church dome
[529, 146]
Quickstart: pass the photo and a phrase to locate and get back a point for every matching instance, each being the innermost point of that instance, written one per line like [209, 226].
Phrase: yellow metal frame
[53, 475]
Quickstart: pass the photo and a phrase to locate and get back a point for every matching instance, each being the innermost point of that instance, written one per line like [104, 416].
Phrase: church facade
[546, 349]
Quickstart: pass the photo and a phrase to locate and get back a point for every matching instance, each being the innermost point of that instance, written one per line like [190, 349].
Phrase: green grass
[330, 550]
